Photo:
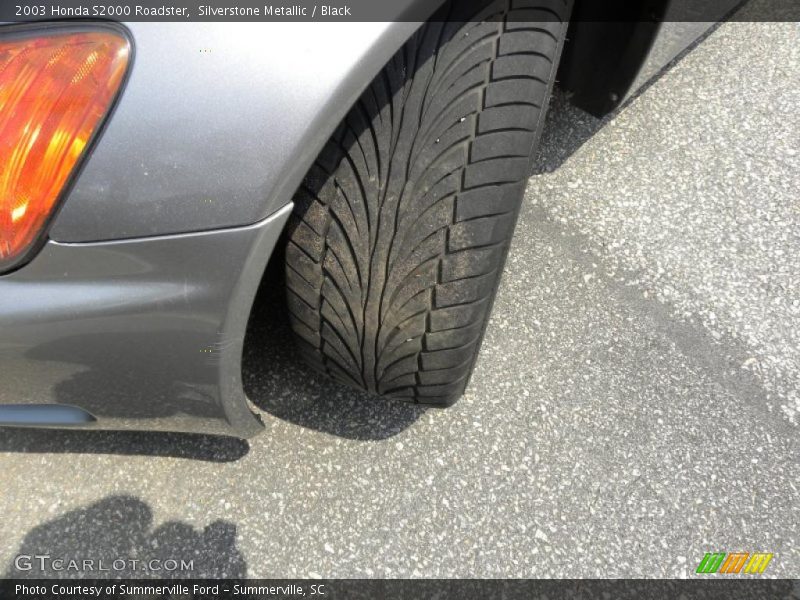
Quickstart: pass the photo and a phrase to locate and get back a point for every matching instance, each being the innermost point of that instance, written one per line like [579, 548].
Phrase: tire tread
[401, 227]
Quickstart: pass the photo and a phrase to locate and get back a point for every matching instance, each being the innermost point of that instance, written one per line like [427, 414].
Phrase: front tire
[402, 225]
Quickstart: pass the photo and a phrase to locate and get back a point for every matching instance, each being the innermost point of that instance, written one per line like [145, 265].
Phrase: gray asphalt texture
[636, 403]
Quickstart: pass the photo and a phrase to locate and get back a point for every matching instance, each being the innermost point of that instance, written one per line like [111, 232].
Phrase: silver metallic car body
[133, 314]
[135, 329]
[226, 138]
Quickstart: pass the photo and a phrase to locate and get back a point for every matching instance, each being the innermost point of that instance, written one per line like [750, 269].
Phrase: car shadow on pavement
[192, 446]
[280, 383]
[116, 534]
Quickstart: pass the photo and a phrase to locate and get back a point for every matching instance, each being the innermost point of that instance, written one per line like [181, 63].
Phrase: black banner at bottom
[398, 589]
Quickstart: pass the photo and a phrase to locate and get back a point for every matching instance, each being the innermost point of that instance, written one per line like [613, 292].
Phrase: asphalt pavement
[636, 403]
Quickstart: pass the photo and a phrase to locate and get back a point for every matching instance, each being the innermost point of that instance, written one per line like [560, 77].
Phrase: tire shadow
[279, 382]
[566, 129]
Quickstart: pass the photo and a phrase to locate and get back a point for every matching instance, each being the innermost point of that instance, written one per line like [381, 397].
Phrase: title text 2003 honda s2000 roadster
[149, 170]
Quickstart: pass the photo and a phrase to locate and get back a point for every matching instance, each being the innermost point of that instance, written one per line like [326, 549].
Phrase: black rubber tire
[402, 226]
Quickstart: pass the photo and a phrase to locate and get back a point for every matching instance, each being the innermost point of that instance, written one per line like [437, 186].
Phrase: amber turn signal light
[55, 89]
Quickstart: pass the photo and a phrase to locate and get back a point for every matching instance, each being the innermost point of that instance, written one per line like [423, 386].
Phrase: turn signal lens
[55, 89]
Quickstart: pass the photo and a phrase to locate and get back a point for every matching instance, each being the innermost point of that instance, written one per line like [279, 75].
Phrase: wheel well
[607, 43]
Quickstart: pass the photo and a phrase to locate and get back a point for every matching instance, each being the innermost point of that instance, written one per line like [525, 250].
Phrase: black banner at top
[389, 10]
